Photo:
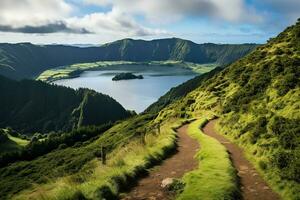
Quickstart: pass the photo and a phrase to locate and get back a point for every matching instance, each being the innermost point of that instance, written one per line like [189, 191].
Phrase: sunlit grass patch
[215, 177]
[124, 164]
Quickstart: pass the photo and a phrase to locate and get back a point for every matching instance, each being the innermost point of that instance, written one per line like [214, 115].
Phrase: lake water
[136, 94]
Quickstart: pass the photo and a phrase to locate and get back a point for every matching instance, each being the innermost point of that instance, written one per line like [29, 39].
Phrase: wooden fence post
[103, 155]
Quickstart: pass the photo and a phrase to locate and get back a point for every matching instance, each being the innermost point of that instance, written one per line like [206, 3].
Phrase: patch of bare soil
[149, 188]
[253, 187]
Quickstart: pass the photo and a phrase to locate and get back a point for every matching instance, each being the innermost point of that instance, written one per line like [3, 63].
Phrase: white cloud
[49, 16]
[160, 11]
[98, 2]
[18, 13]
[113, 22]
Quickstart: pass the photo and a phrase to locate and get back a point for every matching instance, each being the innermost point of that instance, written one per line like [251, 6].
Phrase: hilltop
[26, 60]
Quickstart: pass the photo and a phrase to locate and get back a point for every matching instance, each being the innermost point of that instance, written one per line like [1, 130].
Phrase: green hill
[174, 49]
[33, 106]
[257, 100]
[25, 60]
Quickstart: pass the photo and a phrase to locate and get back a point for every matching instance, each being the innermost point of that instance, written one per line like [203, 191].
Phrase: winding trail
[149, 188]
[253, 187]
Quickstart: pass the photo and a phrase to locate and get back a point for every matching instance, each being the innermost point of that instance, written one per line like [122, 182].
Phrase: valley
[135, 94]
[219, 120]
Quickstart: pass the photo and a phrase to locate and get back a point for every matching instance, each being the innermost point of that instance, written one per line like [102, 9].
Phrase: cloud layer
[51, 16]
[42, 29]
[172, 10]
[145, 18]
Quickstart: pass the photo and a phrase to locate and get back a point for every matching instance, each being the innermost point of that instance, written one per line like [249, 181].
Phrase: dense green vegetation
[25, 60]
[126, 76]
[33, 106]
[69, 171]
[37, 147]
[8, 143]
[215, 178]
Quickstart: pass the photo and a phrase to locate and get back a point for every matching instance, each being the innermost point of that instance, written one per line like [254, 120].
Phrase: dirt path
[174, 167]
[253, 187]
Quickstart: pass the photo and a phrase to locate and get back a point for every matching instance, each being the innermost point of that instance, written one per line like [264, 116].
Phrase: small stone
[166, 182]
[265, 187]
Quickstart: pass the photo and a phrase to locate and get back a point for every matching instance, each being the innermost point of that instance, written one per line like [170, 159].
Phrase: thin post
[103, 155]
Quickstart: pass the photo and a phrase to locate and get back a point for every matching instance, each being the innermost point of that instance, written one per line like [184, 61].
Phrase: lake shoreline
[133, 94]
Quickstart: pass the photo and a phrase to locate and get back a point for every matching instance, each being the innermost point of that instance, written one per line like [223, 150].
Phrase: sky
[102, 21]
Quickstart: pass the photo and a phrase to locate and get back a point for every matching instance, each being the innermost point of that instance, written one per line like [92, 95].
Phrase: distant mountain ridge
[26, 60]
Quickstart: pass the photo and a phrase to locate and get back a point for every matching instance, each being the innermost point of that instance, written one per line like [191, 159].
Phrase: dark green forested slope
[30, 106]
[26, 60]
[174, 49]
[258, 102]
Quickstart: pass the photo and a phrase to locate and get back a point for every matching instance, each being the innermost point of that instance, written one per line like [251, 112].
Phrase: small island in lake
[126, 76]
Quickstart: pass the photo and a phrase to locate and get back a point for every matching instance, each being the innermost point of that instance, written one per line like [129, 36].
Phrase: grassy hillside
[258, 100]
[34, 106]
[25, 60]
[180, 91]
[76, 172]
[9, 143]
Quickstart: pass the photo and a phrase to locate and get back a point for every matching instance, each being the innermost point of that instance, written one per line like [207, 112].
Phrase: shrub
[104, 193]
[78, 196]
[289, 164]
[177, 186]
[262, 164]
[3, 137]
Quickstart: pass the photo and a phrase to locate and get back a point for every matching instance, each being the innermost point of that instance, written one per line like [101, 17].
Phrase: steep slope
[30, 106]
[258, 100]
[25, 60]
[180, 91]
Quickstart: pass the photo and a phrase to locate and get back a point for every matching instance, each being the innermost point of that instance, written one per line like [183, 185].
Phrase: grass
[215, 177]
[21, 142]
[9, 146]
[71, 71]
[130, 158]
[12, 144]
[259, 155]
[64, 72]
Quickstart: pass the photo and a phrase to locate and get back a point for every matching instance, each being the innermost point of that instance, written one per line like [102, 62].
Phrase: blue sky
[101, 21]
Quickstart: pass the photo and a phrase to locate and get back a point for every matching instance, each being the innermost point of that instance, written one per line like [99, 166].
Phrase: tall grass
[124, 164]
[215, 177]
